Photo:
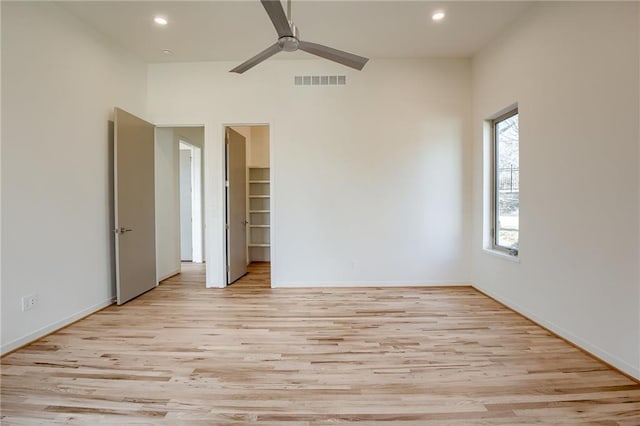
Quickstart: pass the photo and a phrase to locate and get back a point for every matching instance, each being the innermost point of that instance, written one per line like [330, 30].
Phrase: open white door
[236, 205]
[134, 191]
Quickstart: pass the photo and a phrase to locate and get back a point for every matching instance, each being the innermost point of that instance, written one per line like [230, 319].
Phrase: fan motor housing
[288, 44]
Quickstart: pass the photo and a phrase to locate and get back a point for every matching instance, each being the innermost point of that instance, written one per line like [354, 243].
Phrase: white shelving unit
[259, 202]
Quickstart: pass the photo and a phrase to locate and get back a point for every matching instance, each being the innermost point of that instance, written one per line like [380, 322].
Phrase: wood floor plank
[183, 354]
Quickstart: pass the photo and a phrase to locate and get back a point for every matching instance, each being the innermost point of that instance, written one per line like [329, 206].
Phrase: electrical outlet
[29, 302]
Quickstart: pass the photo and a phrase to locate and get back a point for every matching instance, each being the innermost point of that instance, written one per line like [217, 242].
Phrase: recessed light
[167, 52]
[160, 20]
[438, 16]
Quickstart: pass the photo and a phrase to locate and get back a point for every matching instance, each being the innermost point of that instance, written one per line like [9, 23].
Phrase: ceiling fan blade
[344, 58]
[276, 13]
[265, 54]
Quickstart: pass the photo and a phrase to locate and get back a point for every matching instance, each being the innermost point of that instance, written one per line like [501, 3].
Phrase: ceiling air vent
[320, 80]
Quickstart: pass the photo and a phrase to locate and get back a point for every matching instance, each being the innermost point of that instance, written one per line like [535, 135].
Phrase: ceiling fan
[289, 41]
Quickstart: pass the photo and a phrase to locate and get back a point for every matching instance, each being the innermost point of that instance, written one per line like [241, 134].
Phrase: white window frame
[493, 122]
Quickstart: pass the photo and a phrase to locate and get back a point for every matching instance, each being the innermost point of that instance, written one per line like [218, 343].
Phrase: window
[506, 182]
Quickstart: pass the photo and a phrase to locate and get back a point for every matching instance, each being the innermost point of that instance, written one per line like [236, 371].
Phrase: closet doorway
[248, 199]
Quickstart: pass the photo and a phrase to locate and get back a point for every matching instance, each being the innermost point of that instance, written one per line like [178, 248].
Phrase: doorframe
[223, 171]
[203, 215]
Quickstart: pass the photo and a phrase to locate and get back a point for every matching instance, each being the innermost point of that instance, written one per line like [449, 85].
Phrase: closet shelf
[258, 205]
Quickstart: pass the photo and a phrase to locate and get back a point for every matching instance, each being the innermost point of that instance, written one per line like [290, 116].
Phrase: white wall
[369, 179]
[573, 69]
[193, 135]
[257, 144]
[167, 204]
[60, 82]
[244, 131]
[258, 149]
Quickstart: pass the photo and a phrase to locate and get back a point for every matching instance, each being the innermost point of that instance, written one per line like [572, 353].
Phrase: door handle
[244, 222]
[122, 230]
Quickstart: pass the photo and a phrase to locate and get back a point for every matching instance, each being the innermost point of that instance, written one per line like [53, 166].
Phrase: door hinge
[226, 183]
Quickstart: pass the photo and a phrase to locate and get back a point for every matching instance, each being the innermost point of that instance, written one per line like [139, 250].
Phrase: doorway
[190, 202]
[248, 206]
[179, 198]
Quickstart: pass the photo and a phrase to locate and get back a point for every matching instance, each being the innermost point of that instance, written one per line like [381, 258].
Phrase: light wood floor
[183, 354]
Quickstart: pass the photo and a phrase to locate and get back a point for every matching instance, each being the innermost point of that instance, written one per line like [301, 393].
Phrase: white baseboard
[31, 337]
[346, 284]
[598, 352]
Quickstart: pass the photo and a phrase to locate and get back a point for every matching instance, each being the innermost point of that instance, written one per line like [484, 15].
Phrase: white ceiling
[237, 30]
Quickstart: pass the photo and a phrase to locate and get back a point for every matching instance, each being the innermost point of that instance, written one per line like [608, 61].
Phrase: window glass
[507, 182]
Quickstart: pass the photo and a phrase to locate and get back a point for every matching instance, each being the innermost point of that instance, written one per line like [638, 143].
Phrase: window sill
[502, 255]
